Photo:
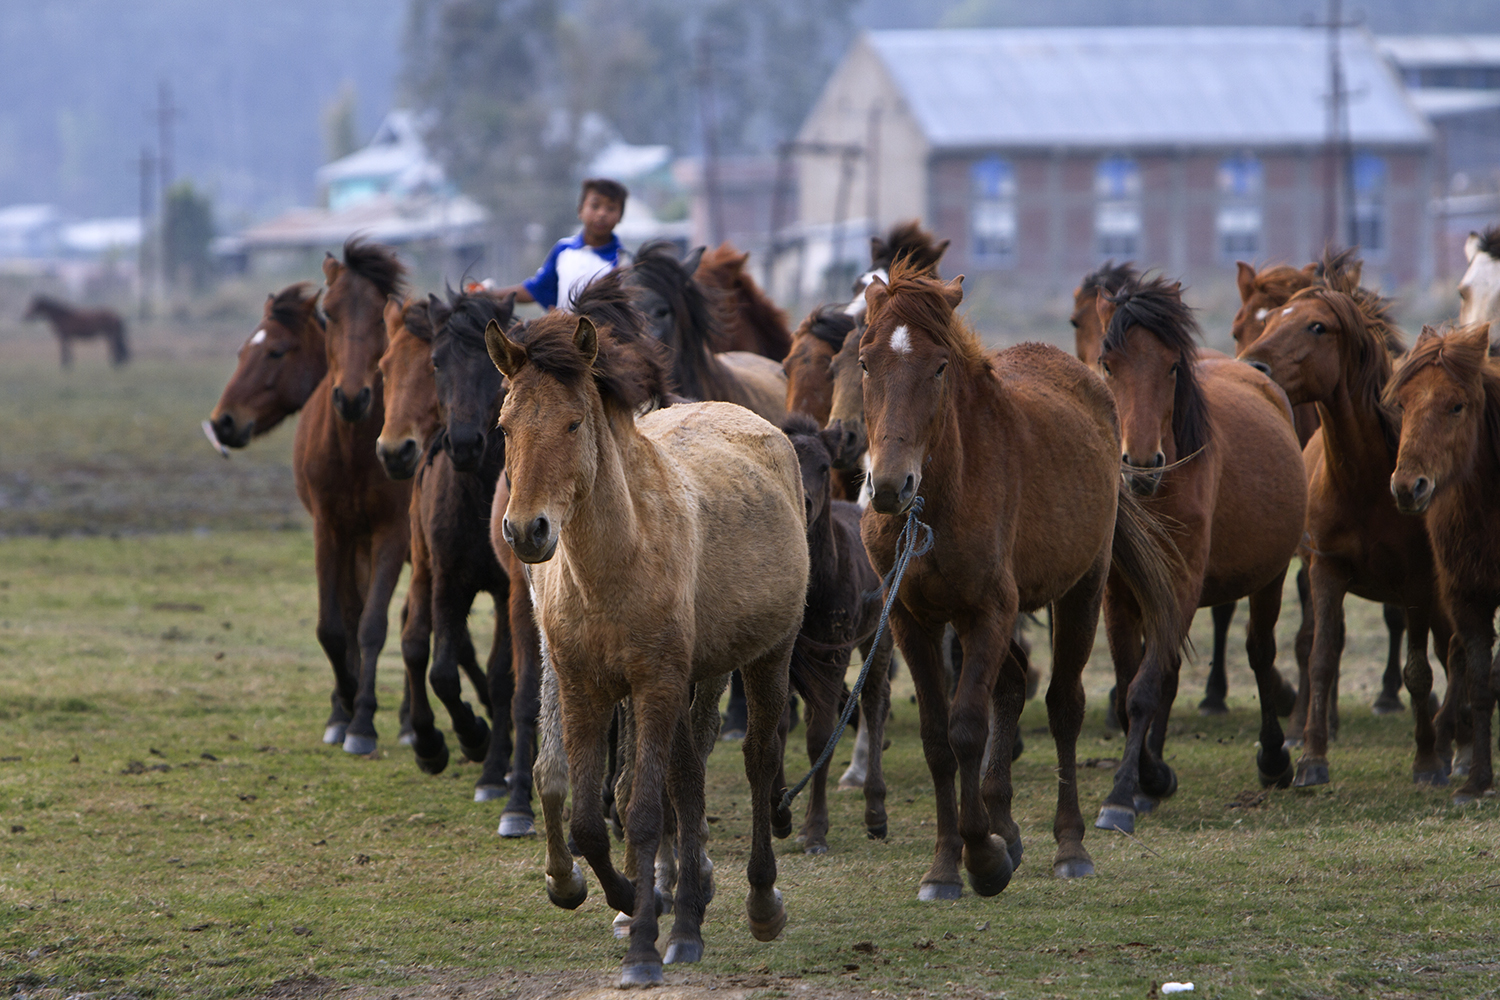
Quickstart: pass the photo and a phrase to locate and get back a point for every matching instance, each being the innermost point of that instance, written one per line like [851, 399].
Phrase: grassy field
[170, 825]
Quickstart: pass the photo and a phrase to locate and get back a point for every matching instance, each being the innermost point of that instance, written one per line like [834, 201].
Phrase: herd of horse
[659, 487]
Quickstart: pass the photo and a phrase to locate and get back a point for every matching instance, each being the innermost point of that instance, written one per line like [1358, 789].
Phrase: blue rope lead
[907, 549]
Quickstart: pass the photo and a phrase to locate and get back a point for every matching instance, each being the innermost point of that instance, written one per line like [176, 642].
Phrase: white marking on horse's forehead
[1287, 311]
[259, 338]
[1261, 314]
[901, 340]
[856, 307]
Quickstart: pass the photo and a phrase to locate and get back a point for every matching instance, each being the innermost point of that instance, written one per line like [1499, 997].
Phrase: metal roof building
[1043, 151]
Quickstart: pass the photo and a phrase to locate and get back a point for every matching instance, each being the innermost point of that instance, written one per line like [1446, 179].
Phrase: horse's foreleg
[428, 745]
[65, 346]
[332, 633]
[685, 777]
[499, 687]
[1007, 701]
[1075, 620]
[388, 552]
[1218, 678]
[924, 660]
[1302, 646]
[518, 820]
[1476, 626]
[1272, 761]
[1426, 769]
[565, 884]
[986, 650]
[451, 646]
[765, 700]
[1389, 700]
[1328, 588]
[1122, 627]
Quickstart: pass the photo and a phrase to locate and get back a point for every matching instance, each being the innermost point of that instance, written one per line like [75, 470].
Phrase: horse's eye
[1318, 328]
[1173, 370]
[275, 353]
[574, 426]
[1105, 365]
[1074, 322]
[823, 469]
[1457, 409]
[862, 366]
[941, 368]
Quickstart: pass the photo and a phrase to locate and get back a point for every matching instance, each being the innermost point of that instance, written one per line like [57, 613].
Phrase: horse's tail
[1147, 561]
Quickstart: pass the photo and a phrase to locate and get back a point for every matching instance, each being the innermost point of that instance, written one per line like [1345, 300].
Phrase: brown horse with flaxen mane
[751, 321]
[1328, 346]
[1448, 471]
[1016, 456]
[1210, 443]
[361, 524]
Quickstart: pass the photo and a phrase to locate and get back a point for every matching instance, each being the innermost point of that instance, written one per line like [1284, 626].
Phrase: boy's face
[599, 215]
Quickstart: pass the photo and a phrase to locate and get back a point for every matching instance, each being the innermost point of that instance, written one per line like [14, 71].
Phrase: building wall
[1179, 202]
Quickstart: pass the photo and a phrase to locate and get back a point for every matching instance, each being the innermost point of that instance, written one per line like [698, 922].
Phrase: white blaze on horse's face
[1261, 314]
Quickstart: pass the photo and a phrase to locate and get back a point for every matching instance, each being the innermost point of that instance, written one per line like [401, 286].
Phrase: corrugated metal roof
[1439, 51]
[1102, 87]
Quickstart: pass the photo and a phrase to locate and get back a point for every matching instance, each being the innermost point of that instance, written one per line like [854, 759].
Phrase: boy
[578, 260]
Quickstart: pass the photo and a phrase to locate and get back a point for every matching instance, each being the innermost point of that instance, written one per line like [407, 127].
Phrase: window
[1117, 208]
[1237, 224]
[992, 210]
[1369, 202]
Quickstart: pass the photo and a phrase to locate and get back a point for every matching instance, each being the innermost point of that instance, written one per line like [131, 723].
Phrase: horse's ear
[507, 305]
[1245, 278]
[1475, 337]
[939, 250]
[1428, 332]
[392, 312]
[1105, 308]
[507, 355]
[1356, 270]
[586, 339]
[310, 304]
[270, 301]
[331, 269]
[876, 292]
[691, 261]
[1471, 247]
[953, 291]
[877, 248]
[438, 312]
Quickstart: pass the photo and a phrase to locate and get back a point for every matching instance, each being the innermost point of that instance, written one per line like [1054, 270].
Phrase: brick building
[1041, 152]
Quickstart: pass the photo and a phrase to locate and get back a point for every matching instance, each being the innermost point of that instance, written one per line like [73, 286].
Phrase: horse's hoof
[480, 747]
[1292, 743]
[641, 974]
[939, 892]
[769, 928]
[406, 738]
[1389, 703]
[994, 882]
[334, 734]
[360, 746]
[877, 832]
[1015, 849]
[1462, 758]
[683, 952]
[1073, 868]
[1144, 804]
[1311, 773]
[781, 829]
[620, 926]
[1435, 778]
[1467, 796]
[435, 763]
[515, 825]
[1213, 706]
[490, 793]
[1282, 780]
[1120, 818]
[569, 900]
[1166, 792]
[852, 782]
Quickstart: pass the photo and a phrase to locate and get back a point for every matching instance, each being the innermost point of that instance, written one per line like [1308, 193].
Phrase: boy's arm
[541, 287]
[519, 291]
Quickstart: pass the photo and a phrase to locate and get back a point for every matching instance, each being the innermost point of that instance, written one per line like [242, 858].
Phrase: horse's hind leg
[1303, 647]
[1075, 619]
[1273, 762]
[987, 645]
[765, 696]
[428, 745]
[65, 346]
[685, 779]
[1218, 679]
[1426, 768]
[517, 820]
[1389, 701]
[1006, 704]
[451, 646]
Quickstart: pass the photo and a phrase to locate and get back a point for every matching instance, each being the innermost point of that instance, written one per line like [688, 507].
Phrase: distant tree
[187, 230]
[340, 124]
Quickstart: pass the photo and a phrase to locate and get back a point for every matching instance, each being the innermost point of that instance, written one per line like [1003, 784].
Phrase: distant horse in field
[679, 314]
[1327, 346]
[843, 608]
[361, 518]
[280, 366]
[1261, 293]
[666, 549]
[1016, 456]
[1448, 471]
[452, 560]
[1210, 442]
[751, 321]
[71, 323]
[1479, 289]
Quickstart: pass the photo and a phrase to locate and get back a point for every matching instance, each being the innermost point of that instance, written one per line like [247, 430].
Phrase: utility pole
[706, 114]
[1338, 159]
[146, 165]
[166, 116]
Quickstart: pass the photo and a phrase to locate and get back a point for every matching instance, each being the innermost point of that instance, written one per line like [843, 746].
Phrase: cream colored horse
[1479, 290]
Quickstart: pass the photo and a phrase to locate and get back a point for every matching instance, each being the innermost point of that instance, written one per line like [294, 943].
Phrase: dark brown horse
[1017, 459]
[1211, 444]
[71, 323]
[751, 321]
[361, 520]
[1448, 470]
[279, 366]
[843, 607]
[666, 549]
[1328, 345]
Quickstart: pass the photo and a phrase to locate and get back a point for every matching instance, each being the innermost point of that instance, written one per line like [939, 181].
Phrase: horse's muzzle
[533, 542]
[352, 410]
[400, 462]
[1414, 497]
[852, 443]
[230, 434]
[892, 498]
[465, 447]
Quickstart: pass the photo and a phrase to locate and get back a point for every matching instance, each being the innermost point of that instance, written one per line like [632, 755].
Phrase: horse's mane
[917, 299]
[829, 324]
[694, 322]
[801, 425]
[416, 316]
[724, 267]
[606, 301]
[1364, 348]
[375, 263]
[1109, 278]
[289, 306]
[1156, 305]
[1489, 242]
[1283, 280]
[910, 242]
[469, 314]
[1462, 367]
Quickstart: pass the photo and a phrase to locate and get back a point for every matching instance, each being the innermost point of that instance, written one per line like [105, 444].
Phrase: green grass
[130, 862]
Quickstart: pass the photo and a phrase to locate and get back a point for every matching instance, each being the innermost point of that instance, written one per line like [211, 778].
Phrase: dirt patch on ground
[561, 986]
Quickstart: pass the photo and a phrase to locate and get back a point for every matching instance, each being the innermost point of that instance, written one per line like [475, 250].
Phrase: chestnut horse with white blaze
[1210, 442]
[666, 550]
[1016, 456]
